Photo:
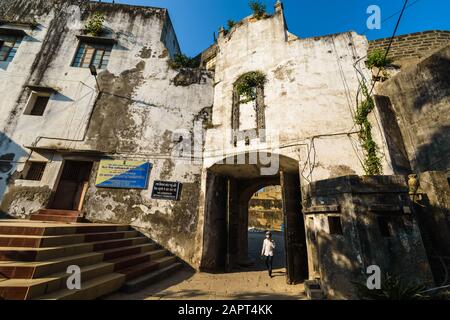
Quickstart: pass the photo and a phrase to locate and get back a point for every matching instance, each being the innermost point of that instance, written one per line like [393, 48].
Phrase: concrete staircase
[34, 257]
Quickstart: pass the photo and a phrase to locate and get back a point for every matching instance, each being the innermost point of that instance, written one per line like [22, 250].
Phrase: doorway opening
[230, 188]
[72, 186]
[265, 213]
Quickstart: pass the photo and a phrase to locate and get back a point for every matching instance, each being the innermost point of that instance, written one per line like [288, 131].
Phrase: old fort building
[177, 151]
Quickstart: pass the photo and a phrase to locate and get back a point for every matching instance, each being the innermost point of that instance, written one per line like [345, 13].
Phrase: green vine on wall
[246, 85]
[94, 26]
[372, 162]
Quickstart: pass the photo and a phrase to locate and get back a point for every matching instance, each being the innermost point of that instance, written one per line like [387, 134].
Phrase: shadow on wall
[435, 155]
[435, 237]
[379, 234]
[10, 152]
[420, 96]
[435, 88]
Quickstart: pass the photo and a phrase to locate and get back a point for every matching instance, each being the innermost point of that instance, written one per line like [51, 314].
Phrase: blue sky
[196, 20]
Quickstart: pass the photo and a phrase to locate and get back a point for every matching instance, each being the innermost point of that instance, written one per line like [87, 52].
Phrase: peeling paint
[20, 201]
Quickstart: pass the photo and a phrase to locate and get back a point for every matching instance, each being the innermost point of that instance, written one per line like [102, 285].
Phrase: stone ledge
[384, 208]
[323, 209]
[356, 185]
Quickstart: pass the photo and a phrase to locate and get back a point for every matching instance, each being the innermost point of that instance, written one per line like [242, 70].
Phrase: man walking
[268, 251]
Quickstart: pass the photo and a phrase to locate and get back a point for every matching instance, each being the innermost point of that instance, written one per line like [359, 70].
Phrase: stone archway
[229, 189]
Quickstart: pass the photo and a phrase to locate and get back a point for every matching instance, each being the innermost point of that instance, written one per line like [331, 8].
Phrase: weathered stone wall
[265, 209]
[360, 203]
[432, 203]
[414, 45]
[265, 214]
[142, 105]
[307, 103]
[420, 97]
[309, 98]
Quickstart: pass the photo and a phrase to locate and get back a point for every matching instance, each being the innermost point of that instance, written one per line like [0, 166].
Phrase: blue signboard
[122, 174]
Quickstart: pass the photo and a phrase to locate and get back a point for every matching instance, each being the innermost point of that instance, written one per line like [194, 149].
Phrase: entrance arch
[229, 188]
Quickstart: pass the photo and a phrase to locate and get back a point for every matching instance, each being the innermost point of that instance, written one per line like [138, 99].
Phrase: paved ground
[252, 283]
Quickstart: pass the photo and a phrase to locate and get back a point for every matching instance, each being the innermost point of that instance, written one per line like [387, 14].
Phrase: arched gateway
[229, 187]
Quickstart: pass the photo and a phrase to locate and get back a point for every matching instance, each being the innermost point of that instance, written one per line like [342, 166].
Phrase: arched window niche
[248, 116]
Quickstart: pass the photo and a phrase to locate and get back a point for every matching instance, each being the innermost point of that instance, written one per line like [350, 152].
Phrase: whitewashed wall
[310, 96]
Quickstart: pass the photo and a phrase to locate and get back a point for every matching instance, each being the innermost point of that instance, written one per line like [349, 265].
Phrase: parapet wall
[413, 45]
[355, 222]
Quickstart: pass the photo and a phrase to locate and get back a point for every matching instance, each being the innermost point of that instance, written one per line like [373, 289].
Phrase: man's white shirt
[268, 248]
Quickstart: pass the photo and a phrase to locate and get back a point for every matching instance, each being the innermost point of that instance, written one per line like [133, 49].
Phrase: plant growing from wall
[94, 26]
[258, 8]
[230, 24]
[245, 86]
[182, 61]
[372, 162]
[377, 59]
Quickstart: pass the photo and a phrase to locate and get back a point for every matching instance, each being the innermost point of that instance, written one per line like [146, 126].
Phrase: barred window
[92, 54]
[8, 47]
[35, 171]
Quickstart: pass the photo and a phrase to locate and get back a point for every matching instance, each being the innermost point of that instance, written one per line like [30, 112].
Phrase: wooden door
[72, 185]
[295, 238]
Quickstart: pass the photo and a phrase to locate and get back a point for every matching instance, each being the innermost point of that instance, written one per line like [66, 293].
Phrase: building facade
[265, 108]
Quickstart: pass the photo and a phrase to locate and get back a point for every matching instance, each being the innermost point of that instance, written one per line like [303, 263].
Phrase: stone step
[104, 236]
[90, 290]
[98, 228]
[128, 261]
[34, 228]
[127, 251]
[20, 241]
[64, 216]
[139, 270]
[34, 257]
[29, 270]
[20, 289]
[146, 267]
[43, 254]
[58, 212]
[118, 243]
[53, 241]
[55, 218]
[141, 282]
